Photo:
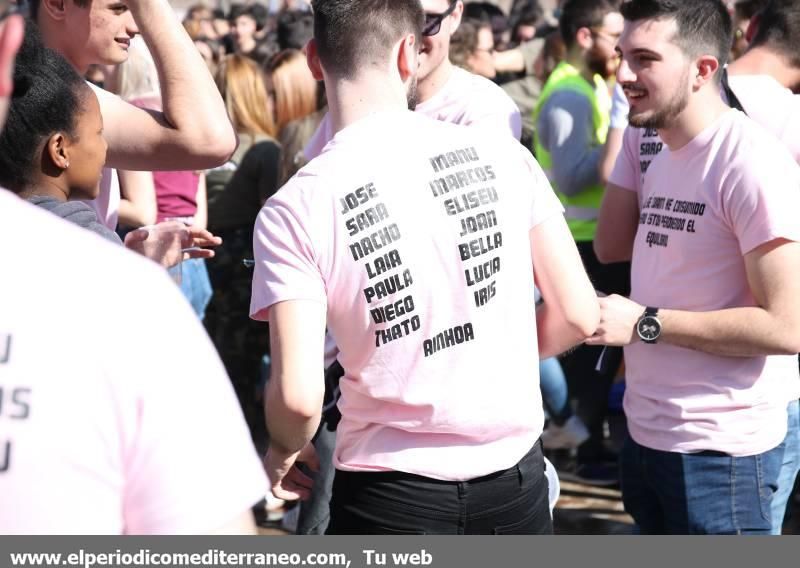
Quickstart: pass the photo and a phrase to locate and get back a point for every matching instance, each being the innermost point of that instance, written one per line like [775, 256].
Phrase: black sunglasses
[433, 22]
[8, 8]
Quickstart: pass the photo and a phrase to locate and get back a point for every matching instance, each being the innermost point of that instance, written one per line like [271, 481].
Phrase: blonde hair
[294, 85]
[137, 77]
[241, 83]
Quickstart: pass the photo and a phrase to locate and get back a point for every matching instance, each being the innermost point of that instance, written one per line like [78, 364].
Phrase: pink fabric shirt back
[107, 203]
[466, 99]
[703, 207]
[414, 234]
[111, 420]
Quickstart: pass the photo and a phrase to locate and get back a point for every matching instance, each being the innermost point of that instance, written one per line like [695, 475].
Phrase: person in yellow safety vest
[572, 115]
[572, 120]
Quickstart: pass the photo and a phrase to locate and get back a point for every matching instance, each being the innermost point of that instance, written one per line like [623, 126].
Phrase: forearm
[290, 428]
[735, 332]
[186, 83]
[555, 334]
[138, 205]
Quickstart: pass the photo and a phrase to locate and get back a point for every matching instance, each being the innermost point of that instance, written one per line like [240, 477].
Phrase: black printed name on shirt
[368, 221]
[15, 405]
[648, 149]
[669, 214]
[474, 208]
[448, 338]
[5, 348]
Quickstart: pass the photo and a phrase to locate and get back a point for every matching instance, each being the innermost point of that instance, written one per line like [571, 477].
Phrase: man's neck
[247, 45]
[351, 101]
[575, 58]
[55, 40]
[763, 61]
[430, 86]
[703, 110]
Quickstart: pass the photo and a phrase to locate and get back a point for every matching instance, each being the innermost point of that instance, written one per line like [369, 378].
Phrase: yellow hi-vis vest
[583, 208]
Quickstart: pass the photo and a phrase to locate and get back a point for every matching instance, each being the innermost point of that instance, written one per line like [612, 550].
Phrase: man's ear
[707, 66]
[408, 57]
[752, 28]
[455, 17]
[57, 150]
[312, 57]
[55, 9]
[584, 38]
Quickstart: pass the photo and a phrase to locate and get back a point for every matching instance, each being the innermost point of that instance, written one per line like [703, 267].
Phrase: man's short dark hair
[257, 12]
[779, 29]
[33, 6]
[295, 28]
[352, 34]
[704, 26]
[577, 14]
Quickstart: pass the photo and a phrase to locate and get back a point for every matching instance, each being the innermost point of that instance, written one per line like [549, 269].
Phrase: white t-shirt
[415, 235]
[107, 203]
[466, 99]
[115, 412]
[705, 206]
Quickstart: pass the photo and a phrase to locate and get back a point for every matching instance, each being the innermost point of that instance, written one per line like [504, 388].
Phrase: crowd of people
[427, 254]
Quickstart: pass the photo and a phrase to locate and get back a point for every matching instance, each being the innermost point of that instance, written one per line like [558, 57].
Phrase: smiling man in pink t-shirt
[762, 81]
[415, 241]
[714, 317]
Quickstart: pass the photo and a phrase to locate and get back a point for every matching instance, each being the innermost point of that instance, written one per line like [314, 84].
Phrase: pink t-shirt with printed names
[703, 207]
[414, 234]
[466, 99]
[111, 420]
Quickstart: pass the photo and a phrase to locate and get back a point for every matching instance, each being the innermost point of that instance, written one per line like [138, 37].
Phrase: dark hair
[704, 26]
[33, 7]
[258, 12]
[779, 29]
[295, 28]
[48, 96]
[351, 34]
[746, 9]
[577, 14]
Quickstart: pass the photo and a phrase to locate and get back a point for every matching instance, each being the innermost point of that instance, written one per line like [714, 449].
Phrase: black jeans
[589, 386]
[513, 501]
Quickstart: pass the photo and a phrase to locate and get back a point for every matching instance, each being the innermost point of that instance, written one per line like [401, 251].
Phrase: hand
[161, 243]
[618, 319]
[200, 238]
[288, 482]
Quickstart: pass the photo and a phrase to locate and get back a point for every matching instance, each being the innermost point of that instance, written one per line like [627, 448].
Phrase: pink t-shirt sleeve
[188, 460]
[755, 205]
[286, 266]
[626, 169]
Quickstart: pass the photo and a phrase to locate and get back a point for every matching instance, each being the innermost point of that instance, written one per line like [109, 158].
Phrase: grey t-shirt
[78, 212]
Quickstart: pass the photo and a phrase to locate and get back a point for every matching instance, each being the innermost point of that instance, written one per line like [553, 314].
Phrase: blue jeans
[702, 493]
[554, 390]
[195, 285]
[789, 469]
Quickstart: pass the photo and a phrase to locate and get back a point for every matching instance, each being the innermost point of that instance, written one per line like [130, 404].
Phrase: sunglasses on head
[433, 22]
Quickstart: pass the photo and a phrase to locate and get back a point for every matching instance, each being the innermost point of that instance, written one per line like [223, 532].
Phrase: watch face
[649, 328]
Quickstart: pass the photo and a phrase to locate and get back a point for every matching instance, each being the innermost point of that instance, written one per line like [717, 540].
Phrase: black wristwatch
[648, 328]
